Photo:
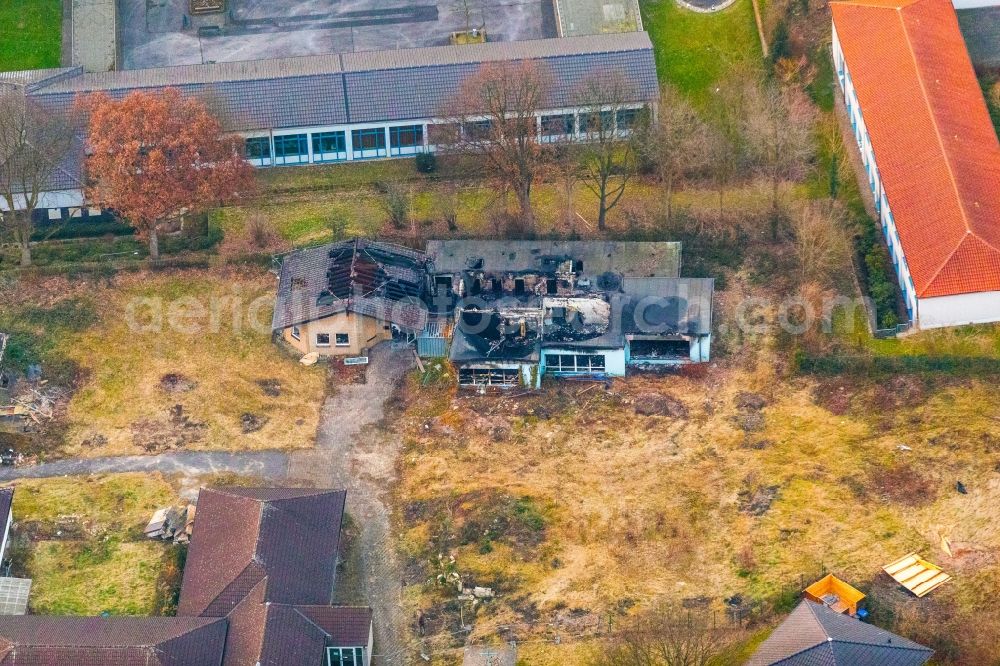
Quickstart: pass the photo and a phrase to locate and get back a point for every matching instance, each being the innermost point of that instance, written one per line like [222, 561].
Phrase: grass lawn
[30, 34]
[98, 560]
[694, 51]
[208, 328]
[302, 217]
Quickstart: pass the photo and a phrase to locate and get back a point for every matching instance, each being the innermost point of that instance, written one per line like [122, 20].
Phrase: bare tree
[496, 118]
[34, 143]
[677, 143]
[395, 200]
[566, 170]
[821, 245]
[778, 123]
[666, 637]
[608, 156]
[726, 144]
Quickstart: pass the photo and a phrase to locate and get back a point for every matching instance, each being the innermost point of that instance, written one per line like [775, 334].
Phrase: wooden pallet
[915, 574]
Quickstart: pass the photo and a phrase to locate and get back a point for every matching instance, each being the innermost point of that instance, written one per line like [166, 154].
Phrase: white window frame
[296, 333]
[338, 343]
[359, 655]
[323, 344]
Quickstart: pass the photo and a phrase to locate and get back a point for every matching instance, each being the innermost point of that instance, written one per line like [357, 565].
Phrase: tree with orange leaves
[154, 158]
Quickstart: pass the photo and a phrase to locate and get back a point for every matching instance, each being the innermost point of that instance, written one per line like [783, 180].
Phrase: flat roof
[595, 17]
[636, 259]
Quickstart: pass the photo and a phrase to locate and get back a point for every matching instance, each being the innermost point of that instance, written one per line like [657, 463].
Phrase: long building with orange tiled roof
[930, 152]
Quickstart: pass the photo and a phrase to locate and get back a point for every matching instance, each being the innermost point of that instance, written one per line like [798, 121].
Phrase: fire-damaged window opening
[504, 377]
[657, 349]
[576, 363]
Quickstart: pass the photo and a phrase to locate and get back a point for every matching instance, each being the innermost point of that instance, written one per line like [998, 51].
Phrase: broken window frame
[500, 377]
[319, 337]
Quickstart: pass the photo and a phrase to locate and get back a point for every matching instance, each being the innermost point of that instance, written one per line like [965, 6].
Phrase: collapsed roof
[361, 276]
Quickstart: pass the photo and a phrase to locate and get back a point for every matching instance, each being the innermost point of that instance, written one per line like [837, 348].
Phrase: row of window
[323, 339]
[581, 363]
[354, 656]
[409, 139]
[332, 146]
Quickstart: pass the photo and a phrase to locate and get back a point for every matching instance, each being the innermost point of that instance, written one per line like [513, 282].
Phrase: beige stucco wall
[365, 333]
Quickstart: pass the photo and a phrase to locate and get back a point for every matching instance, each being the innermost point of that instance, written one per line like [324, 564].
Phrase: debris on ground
[750, 401]
[756, 501]
[659, 404]
[960, 487]
[178, 431]
[252, 422]
[38, 404]
[94, 441]
[750, 422]
[176, 383]
[173, 523]
[270, 387]
[312, 358]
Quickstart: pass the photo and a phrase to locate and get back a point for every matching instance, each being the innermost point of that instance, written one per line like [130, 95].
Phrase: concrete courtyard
[157, 33]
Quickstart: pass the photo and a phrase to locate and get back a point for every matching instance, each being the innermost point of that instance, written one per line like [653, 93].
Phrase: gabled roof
[34, 640]
[814, 635]
[370, 86]
[361, 276]
[285, 539]
[936, 148]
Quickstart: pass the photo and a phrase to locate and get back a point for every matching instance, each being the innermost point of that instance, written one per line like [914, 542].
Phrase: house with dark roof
[815, 635]
[930, 153]
[344, 298]
[256, 591]
[364, 105]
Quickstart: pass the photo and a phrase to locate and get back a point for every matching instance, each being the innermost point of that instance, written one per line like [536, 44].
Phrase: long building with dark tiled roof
[257, 584]
[353, 106]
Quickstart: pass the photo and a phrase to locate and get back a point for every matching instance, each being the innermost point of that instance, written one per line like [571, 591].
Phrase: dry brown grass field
[168, 361]
[576, 503]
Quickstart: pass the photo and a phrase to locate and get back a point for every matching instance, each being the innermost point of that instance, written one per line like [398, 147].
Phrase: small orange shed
[834, 593]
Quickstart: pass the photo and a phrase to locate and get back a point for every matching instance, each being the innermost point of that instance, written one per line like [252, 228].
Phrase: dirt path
[272, 465]
[352, 453]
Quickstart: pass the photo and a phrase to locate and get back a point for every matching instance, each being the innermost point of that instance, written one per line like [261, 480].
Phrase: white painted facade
[977, 308]
[53, 199]
[973, 4]
[350, 152]
[614, 360]
[924, 313]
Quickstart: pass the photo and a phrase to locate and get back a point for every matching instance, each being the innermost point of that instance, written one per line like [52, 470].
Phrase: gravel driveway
[353, 453]
[272, 465]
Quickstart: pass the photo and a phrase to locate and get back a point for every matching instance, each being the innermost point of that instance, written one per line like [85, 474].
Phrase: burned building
[524, 309]
[504, 312]
[344, 298]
